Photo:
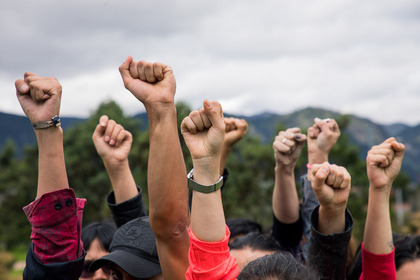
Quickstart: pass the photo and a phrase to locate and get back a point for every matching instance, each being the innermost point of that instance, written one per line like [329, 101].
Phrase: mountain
[363, 132]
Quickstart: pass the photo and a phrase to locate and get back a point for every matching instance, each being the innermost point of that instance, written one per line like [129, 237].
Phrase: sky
[351, 56]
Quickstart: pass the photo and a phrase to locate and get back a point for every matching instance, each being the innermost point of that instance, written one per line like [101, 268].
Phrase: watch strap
[193, 185]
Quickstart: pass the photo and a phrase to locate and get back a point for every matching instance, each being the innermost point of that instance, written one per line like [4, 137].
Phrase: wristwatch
[193, 185]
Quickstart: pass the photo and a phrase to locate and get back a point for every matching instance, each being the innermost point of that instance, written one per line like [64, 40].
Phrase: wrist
[331, 221]
[206, 173]
[317, 157]
[114, 165]
[284, 170]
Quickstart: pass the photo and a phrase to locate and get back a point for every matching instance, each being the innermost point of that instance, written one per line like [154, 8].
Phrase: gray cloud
[350, 56]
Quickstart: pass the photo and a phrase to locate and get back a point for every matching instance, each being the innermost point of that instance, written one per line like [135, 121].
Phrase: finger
[125, 70]
[399, 149]
[346, 183]
[188, 125]
[117, 129]
[22, 88]
[279, 147]
[322, 124]
[158, 70]
[313, 132]
[36, 93]
[334, 126]
[378, 160]
[148, 72]
[331, 178]
[215, 113]
[134, 70]
[320, 176]
[242, 125]
[100, 128]
[109, 129]
[141, 70]
[205, 119]
[123, 136]
[195, 116]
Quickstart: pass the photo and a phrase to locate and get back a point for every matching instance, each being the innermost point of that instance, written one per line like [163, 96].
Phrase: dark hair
[104, 231]
[239, 226]
[407, 248]
[255, 241]
[278, 266]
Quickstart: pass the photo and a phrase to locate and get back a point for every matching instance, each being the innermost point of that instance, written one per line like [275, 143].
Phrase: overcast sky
[359, 57]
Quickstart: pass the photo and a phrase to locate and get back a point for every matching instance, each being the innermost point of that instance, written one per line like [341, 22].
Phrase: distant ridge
[363, 132]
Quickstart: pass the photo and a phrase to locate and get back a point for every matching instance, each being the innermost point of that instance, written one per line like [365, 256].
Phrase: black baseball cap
[133, 248]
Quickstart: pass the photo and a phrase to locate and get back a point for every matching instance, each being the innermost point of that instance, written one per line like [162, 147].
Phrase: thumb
[215, 113]
[101, 127]
[125, 70]
[319, 175]
[21, 87]
[399, 149]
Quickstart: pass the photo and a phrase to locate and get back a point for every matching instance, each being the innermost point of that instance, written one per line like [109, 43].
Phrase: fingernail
[106, 138]
[317, 119]
[103, 124]
[297, 136]
[326, 169]
[112, 142]
[24, 88]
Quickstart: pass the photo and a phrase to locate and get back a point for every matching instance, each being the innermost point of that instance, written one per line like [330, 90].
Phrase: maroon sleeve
[56, 220]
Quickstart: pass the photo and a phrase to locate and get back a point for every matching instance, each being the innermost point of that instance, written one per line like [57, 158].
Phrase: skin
[409, 270]
[95, 252]
[287, 147]
[113, 144]
[383, 165]
[246, 255]
[322, 136]
[235, 130]
[331, 185]
[153, 84]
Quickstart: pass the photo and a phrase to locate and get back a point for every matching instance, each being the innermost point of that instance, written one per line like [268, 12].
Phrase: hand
[331, 185]
[39, 97]
[204, 131]
[384, 163]
[235, 130]
[322, 137]
[287, 146]
[112, 141]
[151, 83]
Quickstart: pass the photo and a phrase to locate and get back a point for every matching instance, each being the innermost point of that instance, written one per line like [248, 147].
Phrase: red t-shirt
[381, 267]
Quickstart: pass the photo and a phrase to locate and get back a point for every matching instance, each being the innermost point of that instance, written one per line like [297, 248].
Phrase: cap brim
[132, 264]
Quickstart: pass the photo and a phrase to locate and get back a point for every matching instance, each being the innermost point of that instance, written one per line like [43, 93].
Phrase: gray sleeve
[327, 254]
[309, 203]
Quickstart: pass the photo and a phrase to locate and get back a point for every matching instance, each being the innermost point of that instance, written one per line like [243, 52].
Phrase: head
[96, 238]
[251, 247]
[239, 227]
[407, 256]
[133, 253]
[278, 266]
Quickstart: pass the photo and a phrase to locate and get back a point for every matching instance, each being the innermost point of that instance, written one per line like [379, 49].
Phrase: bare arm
[154, 85]
[287, 147]
[113, 144]
[40, 99]
[383, 165]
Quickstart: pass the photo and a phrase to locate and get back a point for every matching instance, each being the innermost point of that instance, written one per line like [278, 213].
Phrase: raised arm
[383, 165]
[287, 147]
[154, 85]
[235, 130]
[203, 131]
[56, 251]
[331, 224]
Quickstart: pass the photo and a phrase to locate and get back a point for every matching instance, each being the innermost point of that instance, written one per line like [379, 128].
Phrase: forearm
[331, 221]
[167, 176]
[207, 216]
[378, 231]
[285, 198]
[52, 173]
[224, 156]
[317, 157]
[122, 180]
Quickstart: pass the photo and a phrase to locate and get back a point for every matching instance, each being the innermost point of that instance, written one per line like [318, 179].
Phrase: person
[287, 222]
[331, 222]
[383, 164]
[210, 258]
[96, 238]
[154, 85]
[56, 208]
[322, 136]
[132, 252]
[240, 227]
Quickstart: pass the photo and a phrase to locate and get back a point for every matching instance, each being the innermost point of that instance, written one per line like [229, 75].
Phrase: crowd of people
[184, 234]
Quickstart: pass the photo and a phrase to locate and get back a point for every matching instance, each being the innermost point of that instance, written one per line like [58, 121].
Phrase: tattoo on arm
[391, 244]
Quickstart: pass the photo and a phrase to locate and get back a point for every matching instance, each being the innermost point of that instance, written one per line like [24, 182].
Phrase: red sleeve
[211, 260]
[378, 266]
[56, 220]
